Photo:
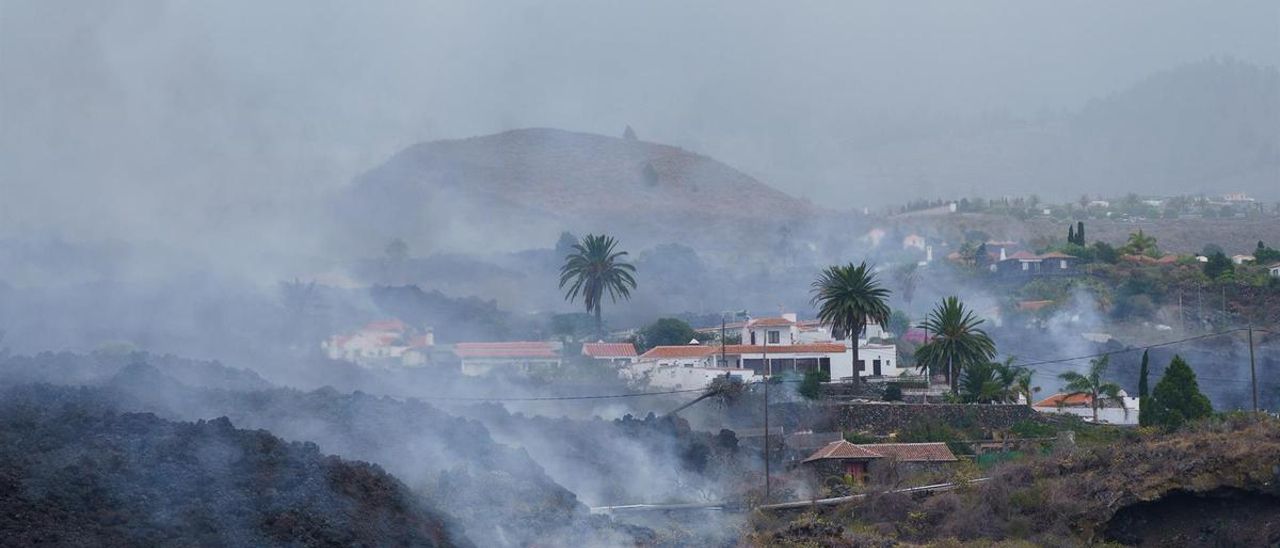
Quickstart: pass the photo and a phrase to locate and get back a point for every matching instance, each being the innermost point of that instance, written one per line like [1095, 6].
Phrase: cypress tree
[1080, 233]
[1176, 399]
[1144, 403]
[1071, 234]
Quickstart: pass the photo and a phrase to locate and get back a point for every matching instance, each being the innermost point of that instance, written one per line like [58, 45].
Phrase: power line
[1133, 349]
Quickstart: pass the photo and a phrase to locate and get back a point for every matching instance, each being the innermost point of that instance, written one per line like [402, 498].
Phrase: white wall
[1108, 415]
[688, 378]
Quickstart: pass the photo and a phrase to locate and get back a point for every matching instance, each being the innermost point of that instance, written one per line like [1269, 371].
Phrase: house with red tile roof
[1123, 411]
[842, 457]
[615, 353]
[382, 344]
[481, 358]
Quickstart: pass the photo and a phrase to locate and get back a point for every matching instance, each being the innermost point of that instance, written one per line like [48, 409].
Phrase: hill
[529, 184]
[74, 472]
[1205, 127]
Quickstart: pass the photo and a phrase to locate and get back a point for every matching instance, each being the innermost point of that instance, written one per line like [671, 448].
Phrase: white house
[614, 353]
[913, 240]
[521, 356]
[385, 343]
[1123, 412]
[1241, 259]
[1274, 270]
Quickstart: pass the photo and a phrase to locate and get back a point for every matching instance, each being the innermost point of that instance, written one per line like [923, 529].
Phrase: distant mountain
[1210, 127]
[519, 189]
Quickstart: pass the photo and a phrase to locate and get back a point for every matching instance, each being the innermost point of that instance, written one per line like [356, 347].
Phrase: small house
[614, 353]
[480, 358]
[858, 460]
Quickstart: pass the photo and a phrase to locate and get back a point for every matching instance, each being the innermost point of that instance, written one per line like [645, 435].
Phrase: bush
[811, 386]
[893, 392]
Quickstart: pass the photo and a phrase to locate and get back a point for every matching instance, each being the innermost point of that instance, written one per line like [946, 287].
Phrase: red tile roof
[771, 322]
[684, 351]
[841, 449]
[608, 350]
[524, 349]
[810, 348]
[1066, 400]
[1032, 306]
[1024, 255]
[904, 452]
[1056, 255]
[913, 452]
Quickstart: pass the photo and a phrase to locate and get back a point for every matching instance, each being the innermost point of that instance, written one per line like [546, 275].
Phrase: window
[862, 365]
[1062, 264]
[1026, 266]
[774, 337]
[753, 337]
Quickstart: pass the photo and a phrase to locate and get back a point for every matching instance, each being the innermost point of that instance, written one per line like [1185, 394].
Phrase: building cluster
[782, 345]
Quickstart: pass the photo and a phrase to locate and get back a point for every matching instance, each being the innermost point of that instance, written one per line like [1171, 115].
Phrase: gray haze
[227, 121]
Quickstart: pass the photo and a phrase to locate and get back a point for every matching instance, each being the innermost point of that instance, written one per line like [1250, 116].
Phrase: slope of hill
[1212, 127]
[521, 187]
[74, 472]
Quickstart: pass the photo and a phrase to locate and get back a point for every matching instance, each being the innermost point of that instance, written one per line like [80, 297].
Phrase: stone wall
[883, 418]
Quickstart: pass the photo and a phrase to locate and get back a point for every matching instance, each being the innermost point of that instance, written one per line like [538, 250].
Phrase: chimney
[1002, 255]
[928, 254]
[790, 316]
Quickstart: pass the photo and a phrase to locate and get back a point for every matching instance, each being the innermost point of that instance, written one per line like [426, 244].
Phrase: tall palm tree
[847, 297]
[1092, 384]
[955, 341]
[1022, 385]
[982, 382]
[593, 268]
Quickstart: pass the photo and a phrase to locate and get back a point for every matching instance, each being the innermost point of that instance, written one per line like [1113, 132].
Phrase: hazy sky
[163, 119]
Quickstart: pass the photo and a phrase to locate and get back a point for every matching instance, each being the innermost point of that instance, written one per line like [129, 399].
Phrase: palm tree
[1092, 384]
[956, 340]
[1022, 385]
[982, 383]
[847, 298]
[594, 268]
[1140, 243]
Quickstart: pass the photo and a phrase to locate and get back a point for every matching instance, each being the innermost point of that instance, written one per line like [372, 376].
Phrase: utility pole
[1253, 371]
[765, 354]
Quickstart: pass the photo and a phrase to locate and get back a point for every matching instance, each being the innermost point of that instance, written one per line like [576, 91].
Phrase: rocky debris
[74, 472]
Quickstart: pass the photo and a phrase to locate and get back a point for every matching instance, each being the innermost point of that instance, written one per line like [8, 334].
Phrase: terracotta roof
[786, 348]
[904, 452]
[1056, 255]
[1032, 306]
[770, 322]
[683, 351]
[523, 349]
[608, 350]
[1023, 255]
[842, 449]
[913, 452]
[1066, 400]
[700, 351]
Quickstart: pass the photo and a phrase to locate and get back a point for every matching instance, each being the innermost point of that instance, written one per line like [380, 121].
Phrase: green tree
[811, 385]
[1104, 252]
[1071, 234]
[909, 276]
[665, 332]
[898, 323]
[1080, 241]
[892, 392]
[956, 340]
[1177, 399]
[1219, 267]
[1144, 396]
[1140, 243]
[1264, 255]
[981, 383]
[1093, 384]
[594, 268]
[847, 298]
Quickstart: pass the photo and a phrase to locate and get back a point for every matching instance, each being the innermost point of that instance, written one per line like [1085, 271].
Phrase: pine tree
[1177, 399]
[1144, 400]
